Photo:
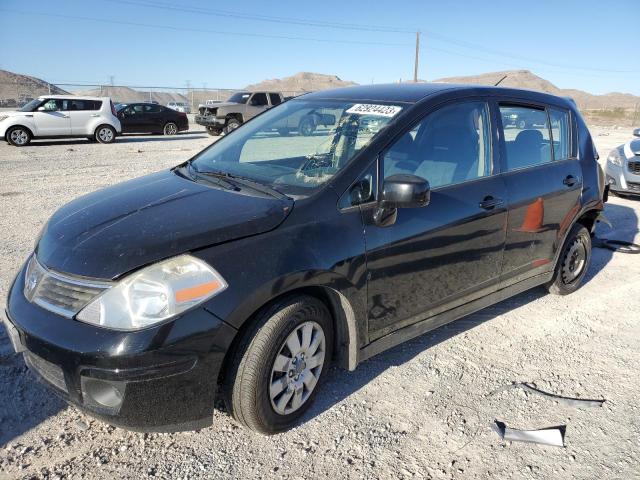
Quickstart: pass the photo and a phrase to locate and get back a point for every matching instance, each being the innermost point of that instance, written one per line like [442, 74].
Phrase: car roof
[74, 97]
[414, 92]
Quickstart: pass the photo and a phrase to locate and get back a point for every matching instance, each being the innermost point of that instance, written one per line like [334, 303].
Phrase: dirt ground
[424, 409]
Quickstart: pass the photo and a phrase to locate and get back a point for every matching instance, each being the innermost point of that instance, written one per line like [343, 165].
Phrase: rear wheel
[170, 129]
[105, 134]
[276, 369]
[573, 262]
[18, 136]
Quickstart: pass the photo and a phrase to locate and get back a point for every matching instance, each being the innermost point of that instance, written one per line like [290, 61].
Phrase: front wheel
[277, 367]
[18, 136]
[170, 129]
[232, 124]
[105, 134]
[573, 262]
[214, 132]
[307, 127]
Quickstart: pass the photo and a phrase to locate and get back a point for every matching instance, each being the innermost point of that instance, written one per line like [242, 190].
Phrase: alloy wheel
[170, 129]
[19, 136]
[105, 134]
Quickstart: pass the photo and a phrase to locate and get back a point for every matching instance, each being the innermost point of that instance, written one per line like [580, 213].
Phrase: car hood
[115, 230]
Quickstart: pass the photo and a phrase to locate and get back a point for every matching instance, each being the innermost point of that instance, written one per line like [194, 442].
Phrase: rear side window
[526, 136]
[73, 105]
[275, 99]
[152, 109]
[560, 133]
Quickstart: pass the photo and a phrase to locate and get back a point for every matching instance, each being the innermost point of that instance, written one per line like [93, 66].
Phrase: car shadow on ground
[341, 384]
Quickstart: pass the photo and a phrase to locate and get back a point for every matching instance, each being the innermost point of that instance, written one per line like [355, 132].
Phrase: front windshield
[29, 107]
[239, 97]
[298, 145]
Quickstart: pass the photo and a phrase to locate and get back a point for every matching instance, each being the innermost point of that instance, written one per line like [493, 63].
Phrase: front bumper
[209, 121]
[162, 378]
[621, 179]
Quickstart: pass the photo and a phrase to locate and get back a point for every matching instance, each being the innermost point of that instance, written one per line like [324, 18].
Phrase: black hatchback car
[262, 259]
[151, 118]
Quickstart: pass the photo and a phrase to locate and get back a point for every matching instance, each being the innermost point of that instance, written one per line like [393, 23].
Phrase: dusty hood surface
[110, 232]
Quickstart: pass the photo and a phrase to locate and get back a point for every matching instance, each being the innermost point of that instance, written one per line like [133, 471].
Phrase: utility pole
[415, 65]
[111, 77]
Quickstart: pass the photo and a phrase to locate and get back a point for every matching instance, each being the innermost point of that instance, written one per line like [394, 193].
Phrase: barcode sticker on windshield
[372, 109]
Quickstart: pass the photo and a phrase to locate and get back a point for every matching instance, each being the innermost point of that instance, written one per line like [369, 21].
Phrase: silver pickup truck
[240, 107]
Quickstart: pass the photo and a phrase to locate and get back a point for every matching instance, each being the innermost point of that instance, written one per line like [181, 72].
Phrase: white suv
[56, 116]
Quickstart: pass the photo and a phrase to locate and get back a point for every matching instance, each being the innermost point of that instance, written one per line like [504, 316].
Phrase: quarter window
[526, 136]
[560, 133]
[449, 146]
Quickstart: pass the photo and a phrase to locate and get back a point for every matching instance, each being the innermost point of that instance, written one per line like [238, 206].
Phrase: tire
[265, 389]
[232, 124]
[283, 132]
[18, 136]
[170, 128]
[105, 134]
[573, 262]
[214, 132]
[521, 124]
[306, 127]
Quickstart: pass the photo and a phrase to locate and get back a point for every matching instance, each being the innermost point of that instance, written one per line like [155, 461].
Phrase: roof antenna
[500, 81]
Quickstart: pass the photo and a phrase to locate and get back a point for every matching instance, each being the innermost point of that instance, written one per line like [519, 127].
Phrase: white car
[179, 107]
[623, 167]
[58, 116]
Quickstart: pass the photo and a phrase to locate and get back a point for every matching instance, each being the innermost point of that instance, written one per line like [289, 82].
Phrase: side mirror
[636, 132]
[404, 191]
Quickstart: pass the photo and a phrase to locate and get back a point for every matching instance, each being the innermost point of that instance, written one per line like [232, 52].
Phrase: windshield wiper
[240, 180]
[222, 179]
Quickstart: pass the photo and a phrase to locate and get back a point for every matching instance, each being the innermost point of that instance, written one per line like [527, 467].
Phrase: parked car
[179, 107]
[60, 116]
[152, 118]
[306, 122]
[623, 167]
[239, 108]
[257, 263]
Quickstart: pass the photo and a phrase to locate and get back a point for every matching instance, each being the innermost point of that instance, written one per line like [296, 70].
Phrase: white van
[58, 116]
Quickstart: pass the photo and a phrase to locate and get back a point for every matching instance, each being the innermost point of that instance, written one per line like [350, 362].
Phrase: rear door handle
[489, 202]
[569, 180]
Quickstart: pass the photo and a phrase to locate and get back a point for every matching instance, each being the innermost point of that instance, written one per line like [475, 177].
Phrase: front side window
[296, 164]
[526, 136]
[51, 105]
[240, 97]
[451, 145]
[560, 133]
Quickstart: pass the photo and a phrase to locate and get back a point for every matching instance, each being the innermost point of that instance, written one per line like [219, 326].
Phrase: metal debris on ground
[553, 436]
[568, 401]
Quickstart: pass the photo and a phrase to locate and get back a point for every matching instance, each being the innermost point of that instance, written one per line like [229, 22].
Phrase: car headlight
[153, 294]
[3, 117]
[615, 158]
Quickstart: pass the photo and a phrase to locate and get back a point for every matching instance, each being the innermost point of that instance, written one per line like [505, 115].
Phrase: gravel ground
[423, 409]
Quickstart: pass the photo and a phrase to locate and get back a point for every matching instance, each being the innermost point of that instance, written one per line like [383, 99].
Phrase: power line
[197, 30]
[262, 18]
[361, 27]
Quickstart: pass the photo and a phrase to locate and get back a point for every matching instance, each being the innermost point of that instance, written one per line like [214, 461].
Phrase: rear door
[81, 112]
[154, 117]
[448, 253]
[51, 120]
[544, 183]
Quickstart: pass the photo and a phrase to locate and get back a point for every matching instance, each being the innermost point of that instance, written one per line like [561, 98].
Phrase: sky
[574, 44]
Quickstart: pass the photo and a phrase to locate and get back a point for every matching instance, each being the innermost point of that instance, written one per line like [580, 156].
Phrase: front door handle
[489, 202]
[569, 180]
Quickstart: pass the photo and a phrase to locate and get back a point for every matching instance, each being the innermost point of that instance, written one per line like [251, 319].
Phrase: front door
[258, 103]
[51, 119]
[544, 181]
[450, 252]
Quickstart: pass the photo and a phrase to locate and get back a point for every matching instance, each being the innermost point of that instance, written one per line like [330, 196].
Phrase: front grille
[634, 167]
[59, 293]
[50, 372]
[633, 186]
